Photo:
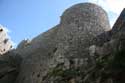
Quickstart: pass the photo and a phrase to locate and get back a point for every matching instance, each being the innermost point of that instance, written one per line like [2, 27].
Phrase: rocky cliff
[81, 49]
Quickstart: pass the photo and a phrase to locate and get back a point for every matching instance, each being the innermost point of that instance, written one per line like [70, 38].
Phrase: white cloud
[112, 7]
[116, 6]
[6, 29]
[14, 44]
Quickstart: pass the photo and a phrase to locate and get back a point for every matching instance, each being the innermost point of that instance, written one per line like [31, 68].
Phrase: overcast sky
[28, 18]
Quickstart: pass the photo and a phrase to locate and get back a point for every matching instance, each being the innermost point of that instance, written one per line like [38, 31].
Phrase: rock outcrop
[81, 49]
[7, 70]
[5, 43]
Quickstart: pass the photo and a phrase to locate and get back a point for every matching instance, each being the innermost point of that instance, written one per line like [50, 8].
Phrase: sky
[25, 19]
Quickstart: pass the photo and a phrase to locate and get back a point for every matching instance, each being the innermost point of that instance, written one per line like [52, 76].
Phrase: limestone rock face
[9, 67]
[5, 43]
[65, 43]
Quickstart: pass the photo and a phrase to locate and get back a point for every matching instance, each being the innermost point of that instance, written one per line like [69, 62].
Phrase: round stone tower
[89, 13]
[79, 25]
